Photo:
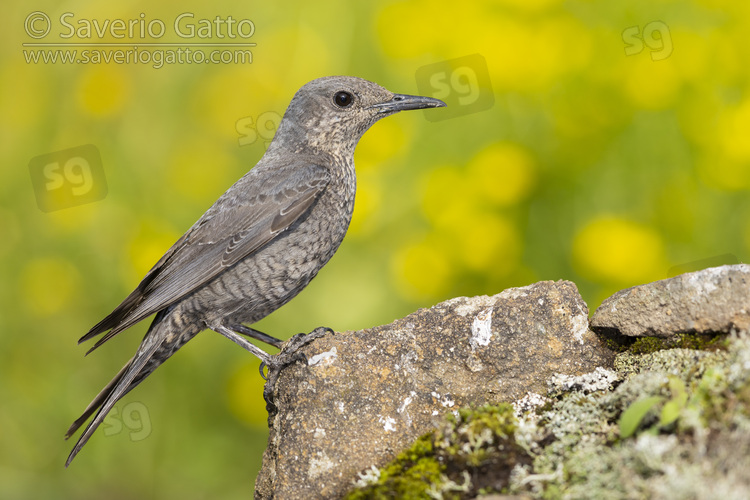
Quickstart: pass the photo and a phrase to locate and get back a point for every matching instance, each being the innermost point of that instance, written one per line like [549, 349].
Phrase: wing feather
[234, 228]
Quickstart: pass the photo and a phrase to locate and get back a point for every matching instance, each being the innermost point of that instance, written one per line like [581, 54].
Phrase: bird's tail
[157, 346]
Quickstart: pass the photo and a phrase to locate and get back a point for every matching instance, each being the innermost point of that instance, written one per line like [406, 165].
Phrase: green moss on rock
[696, 341]
[472, 450]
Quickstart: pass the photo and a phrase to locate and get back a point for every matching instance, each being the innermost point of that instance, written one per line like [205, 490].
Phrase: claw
[290, 352]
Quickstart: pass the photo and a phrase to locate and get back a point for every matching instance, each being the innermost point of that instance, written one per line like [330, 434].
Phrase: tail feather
[168, 332]
[98, 400]
[116, 317]
[116, 389]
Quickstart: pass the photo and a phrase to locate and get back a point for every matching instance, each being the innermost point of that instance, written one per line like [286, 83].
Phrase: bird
[259, 244]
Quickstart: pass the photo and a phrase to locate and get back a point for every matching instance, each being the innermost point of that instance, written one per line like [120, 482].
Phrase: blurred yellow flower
[461, 205]
[612, 249]
[694, 54]
[530, 56]
[734, 131]
[103, 89]
[651, 84]
[503, 173]
[530, 5]
[490, 243]
[402, 38]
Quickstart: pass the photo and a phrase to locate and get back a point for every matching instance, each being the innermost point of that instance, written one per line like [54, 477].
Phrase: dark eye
[343, 99]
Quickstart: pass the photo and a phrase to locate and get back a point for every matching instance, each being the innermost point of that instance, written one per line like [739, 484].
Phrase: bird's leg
[258, 335]
[290, 350]
[265, 358]
[289, 354]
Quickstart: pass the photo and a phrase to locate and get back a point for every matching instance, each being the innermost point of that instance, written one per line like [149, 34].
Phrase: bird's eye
[343, 99]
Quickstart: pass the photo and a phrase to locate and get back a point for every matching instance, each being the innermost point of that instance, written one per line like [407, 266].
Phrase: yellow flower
[612, 249]
[503, 173]
[103, 89]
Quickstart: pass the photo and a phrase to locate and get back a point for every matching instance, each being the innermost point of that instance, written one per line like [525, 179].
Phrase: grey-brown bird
[262, 241]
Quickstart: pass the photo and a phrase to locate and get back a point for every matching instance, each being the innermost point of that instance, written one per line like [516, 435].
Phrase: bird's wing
[264, 203]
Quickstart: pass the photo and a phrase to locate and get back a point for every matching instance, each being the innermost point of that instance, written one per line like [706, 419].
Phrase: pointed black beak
[403, 102]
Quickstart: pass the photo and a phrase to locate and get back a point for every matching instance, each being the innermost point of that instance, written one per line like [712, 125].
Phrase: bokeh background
[614, 149]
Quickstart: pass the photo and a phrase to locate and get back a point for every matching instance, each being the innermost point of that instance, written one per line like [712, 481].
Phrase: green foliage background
[592, 165]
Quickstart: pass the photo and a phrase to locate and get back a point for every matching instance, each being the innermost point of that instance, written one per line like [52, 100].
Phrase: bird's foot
[290, 351]
[290, 354]
[302, 339]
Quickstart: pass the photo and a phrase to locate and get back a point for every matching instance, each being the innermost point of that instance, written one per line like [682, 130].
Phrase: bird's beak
[402, 102]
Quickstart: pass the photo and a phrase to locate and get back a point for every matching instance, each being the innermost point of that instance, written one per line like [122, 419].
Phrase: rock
[712, 300]
[363, 396]
[599, 379]
[691, 443]
[668, 425]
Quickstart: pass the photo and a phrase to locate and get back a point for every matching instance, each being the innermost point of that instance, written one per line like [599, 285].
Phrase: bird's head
[331, 114]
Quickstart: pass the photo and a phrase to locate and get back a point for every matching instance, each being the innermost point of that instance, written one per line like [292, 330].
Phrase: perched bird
[262, 241]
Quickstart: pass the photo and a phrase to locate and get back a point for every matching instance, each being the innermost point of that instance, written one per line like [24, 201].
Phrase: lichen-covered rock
[470, 452]
[689, 441]
[712, 300]
[364, 396]
[672, 425]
